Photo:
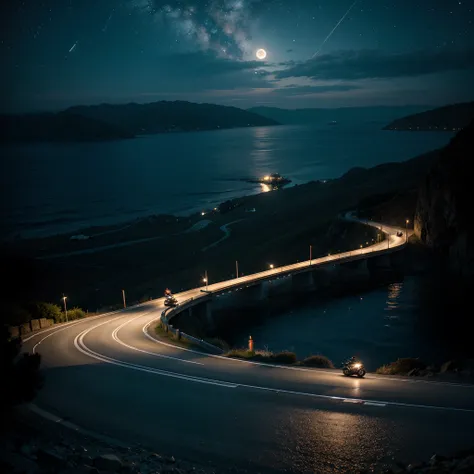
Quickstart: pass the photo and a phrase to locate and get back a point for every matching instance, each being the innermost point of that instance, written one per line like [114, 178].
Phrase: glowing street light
[406, 229]
[271, 265]
[206, 280]
[64, 298]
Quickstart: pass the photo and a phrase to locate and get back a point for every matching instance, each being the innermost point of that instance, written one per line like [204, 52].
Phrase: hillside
[347, 115]
[57, 127]
[443, 218]
[164, 116]
[448, 118]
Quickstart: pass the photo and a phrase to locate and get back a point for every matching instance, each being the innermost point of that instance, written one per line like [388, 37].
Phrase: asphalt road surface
[109, 374]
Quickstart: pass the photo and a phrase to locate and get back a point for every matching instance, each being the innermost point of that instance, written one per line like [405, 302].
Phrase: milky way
[222, 26]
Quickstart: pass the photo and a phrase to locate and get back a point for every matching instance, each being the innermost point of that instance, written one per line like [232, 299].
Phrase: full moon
[261, 54]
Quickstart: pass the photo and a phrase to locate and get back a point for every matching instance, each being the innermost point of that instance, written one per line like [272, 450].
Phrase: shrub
[75, 313]
[46, 310]
[401, 366]
[318, 361]
[284, 357]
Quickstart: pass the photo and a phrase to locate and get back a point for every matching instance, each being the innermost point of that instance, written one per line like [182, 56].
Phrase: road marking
[155, 354]
[286, 367]
[80, 346]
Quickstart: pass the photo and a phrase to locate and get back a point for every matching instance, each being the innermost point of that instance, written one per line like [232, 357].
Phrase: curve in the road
[84, 382]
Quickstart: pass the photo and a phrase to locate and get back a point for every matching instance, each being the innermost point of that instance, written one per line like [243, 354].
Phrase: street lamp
[271, 265]
[406, 229]
[310, 254]
[206, 280]
[65, 306]
[236, 269]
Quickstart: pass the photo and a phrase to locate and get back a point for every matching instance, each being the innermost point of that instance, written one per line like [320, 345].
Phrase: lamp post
[123, 297]
[65, 306]
[310, 254]
[406, 229]
[236, 269]
[206, 280]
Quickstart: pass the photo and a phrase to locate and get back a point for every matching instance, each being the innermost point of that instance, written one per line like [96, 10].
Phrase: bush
[284, 357]
[401, 366]
[318, 361]
[75, 313]
[21, 379]
[46, 310]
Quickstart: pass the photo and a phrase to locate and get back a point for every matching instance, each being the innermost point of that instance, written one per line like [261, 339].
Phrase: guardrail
[182, 335]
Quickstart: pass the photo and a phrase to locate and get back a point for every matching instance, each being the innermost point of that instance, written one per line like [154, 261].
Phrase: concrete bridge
[308, 275]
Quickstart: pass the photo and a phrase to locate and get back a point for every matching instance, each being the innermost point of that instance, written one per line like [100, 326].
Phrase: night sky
[320, 53]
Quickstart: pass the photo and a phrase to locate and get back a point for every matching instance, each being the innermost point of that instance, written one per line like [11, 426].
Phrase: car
[171, 301]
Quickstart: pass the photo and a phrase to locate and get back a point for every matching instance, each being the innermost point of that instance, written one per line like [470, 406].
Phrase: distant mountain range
[344, 115]
[109, 122]
[449, 118]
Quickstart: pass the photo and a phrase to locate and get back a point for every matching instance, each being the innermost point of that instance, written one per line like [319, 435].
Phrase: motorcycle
[170, 300]
[353, 368]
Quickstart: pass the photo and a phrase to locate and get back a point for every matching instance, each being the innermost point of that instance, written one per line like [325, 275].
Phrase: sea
[53, 188]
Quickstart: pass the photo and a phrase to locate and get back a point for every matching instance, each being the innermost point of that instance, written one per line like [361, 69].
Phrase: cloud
[351, 65]
[206, 70]
[295, 90]
[222, 26]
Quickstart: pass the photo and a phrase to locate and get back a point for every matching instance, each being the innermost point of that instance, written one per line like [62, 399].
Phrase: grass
[283, 357]
[160, 331]
[319, 361]
[401, 366]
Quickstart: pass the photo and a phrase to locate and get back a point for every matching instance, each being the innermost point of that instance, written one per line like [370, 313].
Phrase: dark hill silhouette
[159, 117]
[345, 115]
[448, 118]
[109, 122]
[59, 127]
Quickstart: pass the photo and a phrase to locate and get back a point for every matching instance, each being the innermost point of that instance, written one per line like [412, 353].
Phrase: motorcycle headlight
[357, 366]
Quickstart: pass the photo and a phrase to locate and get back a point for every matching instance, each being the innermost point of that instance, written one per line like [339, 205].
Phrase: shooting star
[73, 47]
[334, 29]
[104, 29]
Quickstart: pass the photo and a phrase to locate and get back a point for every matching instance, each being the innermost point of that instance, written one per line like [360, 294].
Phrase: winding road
[109, 374]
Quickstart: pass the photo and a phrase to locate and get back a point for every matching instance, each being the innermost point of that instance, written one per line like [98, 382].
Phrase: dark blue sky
[57, 53]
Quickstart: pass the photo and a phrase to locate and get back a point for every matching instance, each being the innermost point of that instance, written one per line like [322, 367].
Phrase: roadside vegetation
[283, 357]
[415, 367]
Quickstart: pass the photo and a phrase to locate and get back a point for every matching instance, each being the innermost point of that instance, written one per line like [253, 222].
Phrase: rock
[108, 462]
[447, 366]
[465, 466]
[49, 459]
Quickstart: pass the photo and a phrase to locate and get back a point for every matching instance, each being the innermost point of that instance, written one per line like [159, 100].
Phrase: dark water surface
[379, 326]
[51, 188]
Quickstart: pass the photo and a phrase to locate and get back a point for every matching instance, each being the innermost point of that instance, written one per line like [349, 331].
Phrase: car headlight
[357, 366]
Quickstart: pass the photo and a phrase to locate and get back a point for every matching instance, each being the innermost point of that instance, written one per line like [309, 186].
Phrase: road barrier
[165, 319]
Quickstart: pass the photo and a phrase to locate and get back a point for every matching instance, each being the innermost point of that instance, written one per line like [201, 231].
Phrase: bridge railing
[168, 313]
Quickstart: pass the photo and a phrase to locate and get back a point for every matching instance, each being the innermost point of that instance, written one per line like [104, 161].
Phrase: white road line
[80, 346]
[287, 367]
[155, 354]
[374, 404]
